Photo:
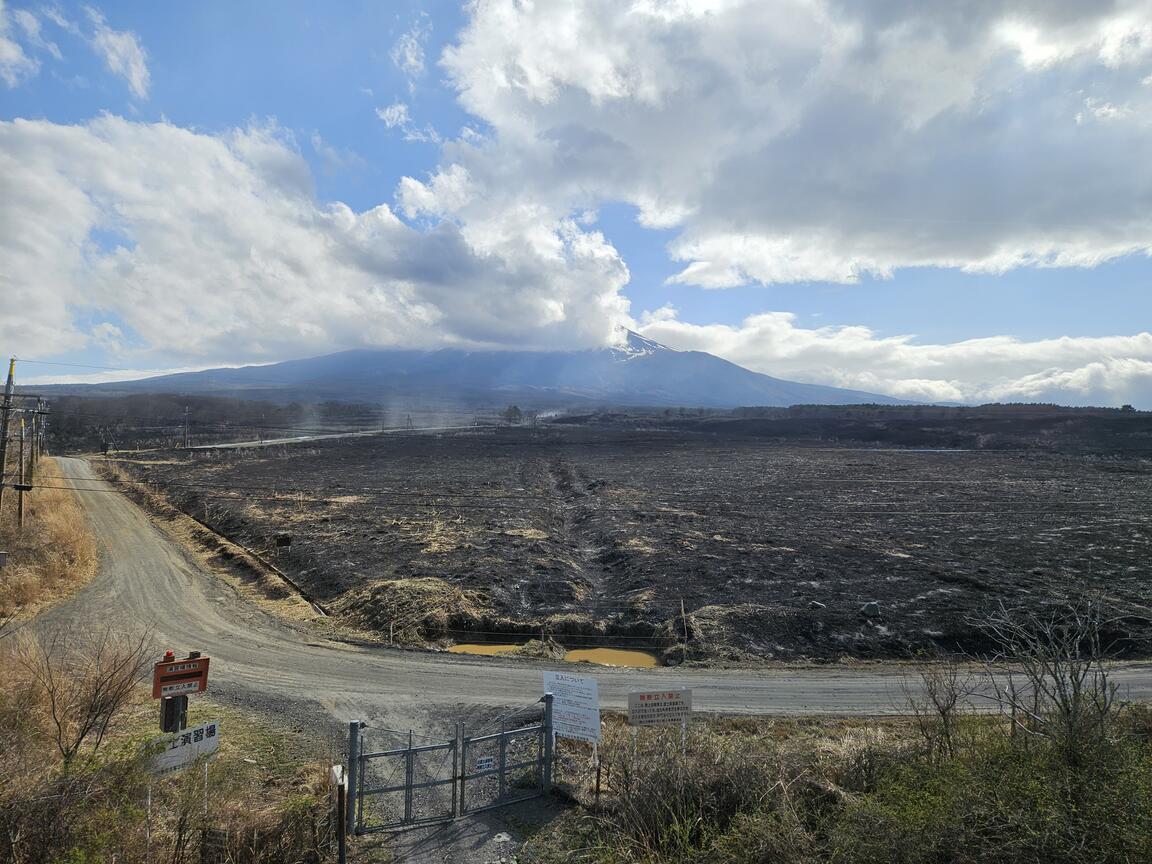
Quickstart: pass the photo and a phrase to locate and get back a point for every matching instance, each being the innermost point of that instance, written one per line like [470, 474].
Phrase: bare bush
[82, 685]
[937, 702]
[1051, 676]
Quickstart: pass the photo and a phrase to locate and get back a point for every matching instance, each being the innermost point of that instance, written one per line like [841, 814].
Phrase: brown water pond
[603, 656]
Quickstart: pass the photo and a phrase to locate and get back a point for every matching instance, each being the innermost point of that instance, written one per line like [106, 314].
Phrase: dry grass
[52, 557]
[413, 610]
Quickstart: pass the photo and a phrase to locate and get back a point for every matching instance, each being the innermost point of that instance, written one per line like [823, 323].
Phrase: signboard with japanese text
[181, 749]
[575, 705]
[659, 708]
[180, 677]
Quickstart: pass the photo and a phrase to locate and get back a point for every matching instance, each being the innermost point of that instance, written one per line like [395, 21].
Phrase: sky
[932, 199]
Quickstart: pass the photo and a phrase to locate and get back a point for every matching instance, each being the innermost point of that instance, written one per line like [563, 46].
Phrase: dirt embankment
[55, 553]
[595, 536]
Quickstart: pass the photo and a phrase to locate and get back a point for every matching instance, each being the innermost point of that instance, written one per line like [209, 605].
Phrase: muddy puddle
[613, 657]
[602, 656]
[489, 650]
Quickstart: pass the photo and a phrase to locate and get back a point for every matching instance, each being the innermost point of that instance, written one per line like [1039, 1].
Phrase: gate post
[354, 727]
[548, 743]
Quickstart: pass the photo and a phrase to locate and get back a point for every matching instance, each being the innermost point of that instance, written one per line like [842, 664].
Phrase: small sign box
[181, 749]
[659, 708]
[485, 763]
[575, 706]
[180, 677]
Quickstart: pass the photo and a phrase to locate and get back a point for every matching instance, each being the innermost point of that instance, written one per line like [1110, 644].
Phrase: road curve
[147, 579]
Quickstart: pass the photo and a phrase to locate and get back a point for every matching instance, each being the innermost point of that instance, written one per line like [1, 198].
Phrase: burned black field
[597, 536]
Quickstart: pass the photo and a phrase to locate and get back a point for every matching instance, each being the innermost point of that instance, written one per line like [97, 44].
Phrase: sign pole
[353, 774]
[549, 743]
[596, 756]
[148, 826]
[337, 776]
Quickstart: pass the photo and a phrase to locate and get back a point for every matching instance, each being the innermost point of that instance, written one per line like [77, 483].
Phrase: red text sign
[180, 677]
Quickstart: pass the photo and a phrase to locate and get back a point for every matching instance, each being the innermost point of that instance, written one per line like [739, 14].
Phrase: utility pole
[20, 487]
[186, 427]
[5, 412]
[37, 437]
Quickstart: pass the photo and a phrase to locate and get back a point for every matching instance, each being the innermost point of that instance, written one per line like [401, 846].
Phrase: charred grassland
[728, 548]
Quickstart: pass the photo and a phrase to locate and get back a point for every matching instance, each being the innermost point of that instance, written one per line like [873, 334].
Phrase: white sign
[181, 749]
[485, 763]
[575, 705]
[659, 708]
[336, 775]
[180, 688]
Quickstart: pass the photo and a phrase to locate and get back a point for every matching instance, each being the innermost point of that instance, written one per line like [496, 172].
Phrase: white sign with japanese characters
[575, 705]
[181, 749]
[659, 708]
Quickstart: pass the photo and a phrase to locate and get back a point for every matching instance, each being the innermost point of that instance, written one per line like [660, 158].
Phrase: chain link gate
[403, 787]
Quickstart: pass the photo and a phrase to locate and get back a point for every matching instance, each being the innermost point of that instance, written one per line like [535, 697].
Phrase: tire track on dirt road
[146, 579]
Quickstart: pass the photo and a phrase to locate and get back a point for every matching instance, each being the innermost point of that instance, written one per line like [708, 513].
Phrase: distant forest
[148, 421]
[158, 420]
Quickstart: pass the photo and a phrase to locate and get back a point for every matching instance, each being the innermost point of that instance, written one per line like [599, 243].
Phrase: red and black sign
[172, 677]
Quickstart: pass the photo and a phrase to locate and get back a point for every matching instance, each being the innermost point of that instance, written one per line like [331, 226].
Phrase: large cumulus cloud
[818, 140]
[214, 248]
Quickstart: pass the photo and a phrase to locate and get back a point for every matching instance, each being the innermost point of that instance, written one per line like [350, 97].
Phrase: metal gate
[421, 784]
[503, 768]
[413, 785]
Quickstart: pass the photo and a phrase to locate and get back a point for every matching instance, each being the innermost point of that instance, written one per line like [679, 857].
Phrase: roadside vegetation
[1061, 773]
[75, 732]
[53, 556]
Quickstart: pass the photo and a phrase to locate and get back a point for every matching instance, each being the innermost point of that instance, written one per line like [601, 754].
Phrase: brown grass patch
[413, 610]
[52, 557]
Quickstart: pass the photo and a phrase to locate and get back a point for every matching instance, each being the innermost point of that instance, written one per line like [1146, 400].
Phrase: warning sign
[180, 677]
[659, 708]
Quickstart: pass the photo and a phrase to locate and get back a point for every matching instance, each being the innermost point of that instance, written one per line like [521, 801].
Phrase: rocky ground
[598, 535]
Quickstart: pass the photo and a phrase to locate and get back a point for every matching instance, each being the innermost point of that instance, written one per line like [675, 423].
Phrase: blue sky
[789, 193]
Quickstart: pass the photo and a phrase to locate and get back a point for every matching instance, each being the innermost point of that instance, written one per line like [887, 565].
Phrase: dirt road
[146, 579]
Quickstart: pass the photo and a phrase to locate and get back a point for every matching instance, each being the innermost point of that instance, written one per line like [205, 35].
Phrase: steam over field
[597, 536]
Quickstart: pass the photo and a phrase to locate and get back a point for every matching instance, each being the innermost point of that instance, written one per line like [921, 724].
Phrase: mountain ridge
[637, 372]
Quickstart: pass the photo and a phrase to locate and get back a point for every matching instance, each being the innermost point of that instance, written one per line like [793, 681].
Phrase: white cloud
[1108, 370]
[396, 116]
[802, 140]
[122, 53]
[15, 64]
[30, 24]
[213, 248]
[408, 51]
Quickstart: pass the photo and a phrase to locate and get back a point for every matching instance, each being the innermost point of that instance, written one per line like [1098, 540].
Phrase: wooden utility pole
[37, 436]
[185, 427]
[5, 413]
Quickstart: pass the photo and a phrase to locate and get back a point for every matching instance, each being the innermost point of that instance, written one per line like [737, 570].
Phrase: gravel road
[146, 579]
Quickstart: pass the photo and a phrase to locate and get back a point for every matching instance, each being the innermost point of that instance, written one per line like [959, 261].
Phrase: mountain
[638, 372]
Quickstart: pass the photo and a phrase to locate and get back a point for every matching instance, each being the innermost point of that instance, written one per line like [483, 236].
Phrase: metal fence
[421, 784]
